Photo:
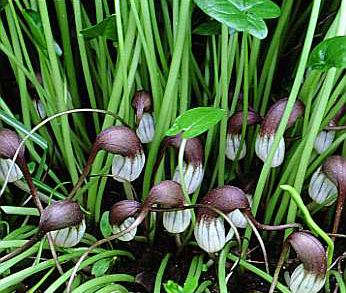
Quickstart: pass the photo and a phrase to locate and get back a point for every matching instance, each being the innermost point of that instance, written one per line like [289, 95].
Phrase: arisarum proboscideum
[10, 141]
[65, 223]
[122, 216]
[326, 136]
[126, 215]
[129, 157]
[321, 188]
[169, 194]
[142, 102]
[193, 162]
[269, 126]
[209, 230]
[65, 220]
[335, 169]
[310, 275]
[233, 140]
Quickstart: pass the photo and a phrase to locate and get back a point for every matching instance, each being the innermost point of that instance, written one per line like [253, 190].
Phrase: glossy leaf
[329, 53]
[106, 28]
[241, 15]
[208, 28]
[105, 226]
[34, 22]
[101, 267]
[196, 121]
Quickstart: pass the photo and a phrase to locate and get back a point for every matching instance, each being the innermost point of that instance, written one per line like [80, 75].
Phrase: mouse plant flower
[269, 126]
[169, 194]
[123, 215]
[65, 221]
[9, 142]
[321, 188]
[15, 173]
[209, 230]
[233, 141]
[325, 137]
[129, 158]
[144, 118]
[193, 162]
[335, 169]
[310, 275]
[237, 217]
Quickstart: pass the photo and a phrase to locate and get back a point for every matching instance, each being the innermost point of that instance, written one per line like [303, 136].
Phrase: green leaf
[106, 28]
[172, 287]
[34, 22]
[196, 121]
[241, 15]
[101, 267]
[13, 210]
[329, 53]
[105, 226]
[208, 28]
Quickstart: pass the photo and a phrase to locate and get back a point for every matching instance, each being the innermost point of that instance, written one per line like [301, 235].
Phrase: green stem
[224, 104]
[289, 107]
[310, 222]
[58, 85]
[168, 97]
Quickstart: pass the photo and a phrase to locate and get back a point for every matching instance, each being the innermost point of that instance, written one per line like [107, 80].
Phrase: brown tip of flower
[193, 149]
[272, 120]
[119, 140]
[235, 122]
[225, 198]
[167, 193]
[310, 251]
[122, 210]
[335, 169]
[142, 103]
[9, 143]
[60, 215]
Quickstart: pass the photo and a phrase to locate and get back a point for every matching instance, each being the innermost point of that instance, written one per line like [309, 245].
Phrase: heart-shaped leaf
[208, 28]
[195, 121]
[241, 15]
[329, 53]
[105, 226]
[106, 29]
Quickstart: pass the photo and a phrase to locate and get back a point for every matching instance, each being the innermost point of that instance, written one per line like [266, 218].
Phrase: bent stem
[44, 122]
[265, 227]
[310, 222]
